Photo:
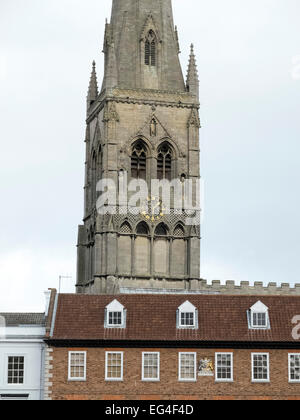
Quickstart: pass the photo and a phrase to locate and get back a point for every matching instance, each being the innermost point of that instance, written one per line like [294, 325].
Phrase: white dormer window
[259, 320]
[115, 319]
[259, 316]
[115, 315]
[187, 316]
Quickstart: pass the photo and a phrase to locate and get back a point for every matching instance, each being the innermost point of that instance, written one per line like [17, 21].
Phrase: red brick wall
[133, 388]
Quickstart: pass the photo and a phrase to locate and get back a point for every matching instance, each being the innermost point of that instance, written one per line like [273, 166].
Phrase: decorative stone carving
[194, 119]
[153, 127]
[206, 367]
[110, 113]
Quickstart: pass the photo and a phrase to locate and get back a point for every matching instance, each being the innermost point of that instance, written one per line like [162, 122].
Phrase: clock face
[152, 209]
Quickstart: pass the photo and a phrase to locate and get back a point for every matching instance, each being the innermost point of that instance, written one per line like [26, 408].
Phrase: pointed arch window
[139, 161]
[150, 49]
[164, 162]
[179, 231]
[125, 228]
[142, 229]
[161, 230]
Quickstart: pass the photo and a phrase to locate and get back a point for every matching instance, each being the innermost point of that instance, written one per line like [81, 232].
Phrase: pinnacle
[192, 69]
[192, 80]
[93, 87]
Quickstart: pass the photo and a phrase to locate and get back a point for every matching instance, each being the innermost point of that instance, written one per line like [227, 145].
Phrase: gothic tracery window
[161, 230]
[125, 228]
[150, 49]
[164, 162]
[139, 161]
[179, 231]
[142, 229]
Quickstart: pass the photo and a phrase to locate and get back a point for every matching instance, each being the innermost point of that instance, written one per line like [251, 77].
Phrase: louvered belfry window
[164, 162]
[139, 161]
[150, 49]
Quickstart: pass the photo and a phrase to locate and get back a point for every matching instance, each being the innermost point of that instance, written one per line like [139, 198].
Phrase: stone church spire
[192, 81]
[93, 87]
[144, 125]
[145, 45]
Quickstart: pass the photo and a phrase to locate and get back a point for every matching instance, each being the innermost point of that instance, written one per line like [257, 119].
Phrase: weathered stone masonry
[143, 107]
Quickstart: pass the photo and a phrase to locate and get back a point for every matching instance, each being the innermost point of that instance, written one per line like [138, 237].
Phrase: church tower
[143, 122]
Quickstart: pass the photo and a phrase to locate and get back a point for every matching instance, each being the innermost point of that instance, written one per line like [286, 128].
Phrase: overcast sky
[248, 54]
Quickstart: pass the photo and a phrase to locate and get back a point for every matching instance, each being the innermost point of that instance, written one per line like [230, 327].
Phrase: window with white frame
[187, 316]
[115, 319]
[16, 370]
[294, 367]
[187, 319]
[151, 367]
[259, 320]
[115, 315]
[224, 367]
[77, 366]
[114, 366]
[260, 367]
[259, 316]
[187, 366]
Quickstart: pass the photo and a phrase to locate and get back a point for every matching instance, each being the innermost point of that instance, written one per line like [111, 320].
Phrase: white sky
[248, 58]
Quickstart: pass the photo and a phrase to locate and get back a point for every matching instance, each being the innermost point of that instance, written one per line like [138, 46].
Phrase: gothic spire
[93, 87]
[139, 28]
[192, 81]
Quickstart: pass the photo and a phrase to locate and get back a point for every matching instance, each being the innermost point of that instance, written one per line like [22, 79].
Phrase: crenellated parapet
[245, 288]
[139, 285]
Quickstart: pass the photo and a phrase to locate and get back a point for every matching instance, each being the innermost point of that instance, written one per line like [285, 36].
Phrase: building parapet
[245, 288]
[133, 285]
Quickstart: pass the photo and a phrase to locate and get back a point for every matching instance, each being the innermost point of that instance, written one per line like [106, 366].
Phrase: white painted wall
[24, 341]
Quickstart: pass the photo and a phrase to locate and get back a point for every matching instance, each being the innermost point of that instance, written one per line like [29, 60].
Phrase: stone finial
[192, 80]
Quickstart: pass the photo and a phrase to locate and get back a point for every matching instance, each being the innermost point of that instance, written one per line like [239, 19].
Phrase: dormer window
[187, 319]
[115, 319]
[187, 316]
[259, 320]
[259, 316]
[115, 315]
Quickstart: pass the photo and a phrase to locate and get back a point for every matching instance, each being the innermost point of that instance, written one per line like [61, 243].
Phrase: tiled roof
[153, 318]
[16, 319]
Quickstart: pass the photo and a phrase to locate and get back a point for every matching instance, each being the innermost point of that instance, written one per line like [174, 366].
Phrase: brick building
[186, 347]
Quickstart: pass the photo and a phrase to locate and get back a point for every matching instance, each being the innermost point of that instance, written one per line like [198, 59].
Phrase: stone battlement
[245, 288]
[129, 285]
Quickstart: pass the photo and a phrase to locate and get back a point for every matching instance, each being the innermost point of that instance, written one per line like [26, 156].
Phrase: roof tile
[153, 318]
